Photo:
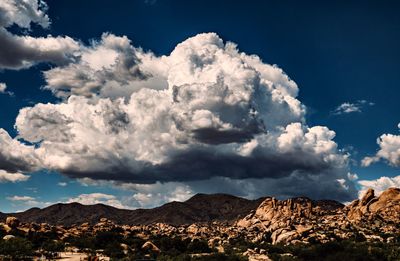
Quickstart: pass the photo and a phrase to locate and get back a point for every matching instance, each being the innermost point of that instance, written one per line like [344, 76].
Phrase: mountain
[72, 213]
[290, 221]
[199, 208]
[367, 225]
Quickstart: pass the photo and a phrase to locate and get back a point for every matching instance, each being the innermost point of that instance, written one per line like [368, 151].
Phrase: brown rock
[150, 246]
[12, 222]
[370, 194]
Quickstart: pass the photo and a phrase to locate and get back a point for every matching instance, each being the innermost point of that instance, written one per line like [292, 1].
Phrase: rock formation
[304, 220]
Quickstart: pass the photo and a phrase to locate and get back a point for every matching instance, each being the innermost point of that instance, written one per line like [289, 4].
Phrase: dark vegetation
[355, 249]
[114, 244]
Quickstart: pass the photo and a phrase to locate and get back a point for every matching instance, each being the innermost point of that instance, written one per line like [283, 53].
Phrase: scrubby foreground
[293, 229]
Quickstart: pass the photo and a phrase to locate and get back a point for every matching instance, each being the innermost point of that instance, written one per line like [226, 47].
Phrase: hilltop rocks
[283, 235]
[385, 208]
[358, 208]
[290, 220]
[12, 222]
[370, 194]
[304, 220]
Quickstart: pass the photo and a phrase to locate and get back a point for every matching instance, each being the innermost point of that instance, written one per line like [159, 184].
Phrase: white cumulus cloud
[23, 13]
[12, 177]
[15, 156]
[3, 87]
[18, 51]
[379, 185]
[389, 150]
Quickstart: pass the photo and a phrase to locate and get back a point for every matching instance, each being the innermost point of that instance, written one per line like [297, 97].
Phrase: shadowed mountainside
[199, 208]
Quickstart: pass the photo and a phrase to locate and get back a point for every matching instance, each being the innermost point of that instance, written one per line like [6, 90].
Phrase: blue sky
[337, 52]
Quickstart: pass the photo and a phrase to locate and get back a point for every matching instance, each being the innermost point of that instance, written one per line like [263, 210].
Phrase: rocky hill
[222, 221]
[302, 220]
[296, 220]
[199, 208]
[385, 208]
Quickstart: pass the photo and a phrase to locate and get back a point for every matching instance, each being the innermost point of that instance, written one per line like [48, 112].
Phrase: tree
[114, 250]
[52, 247]
[16, 249]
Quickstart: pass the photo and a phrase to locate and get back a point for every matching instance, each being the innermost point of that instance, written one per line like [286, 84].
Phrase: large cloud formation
[206, 112]
[19, 52]
[389, 150]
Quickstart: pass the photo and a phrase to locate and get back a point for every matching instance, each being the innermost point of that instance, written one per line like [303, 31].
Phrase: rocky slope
[304, 220]
[296, 220]
[384, 208]
[199, 208]
[268, 221]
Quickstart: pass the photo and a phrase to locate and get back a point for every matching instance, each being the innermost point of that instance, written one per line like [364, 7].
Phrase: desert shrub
[16, 249]
[181, 257]
[104, 238]
[241, 243]
[114, 250]
[394, 254]
[52, 247]
[198, 246]
[219, 257]
[83, 243]
[333, 251]
[172, 245]
[40, 238]
[134, 242]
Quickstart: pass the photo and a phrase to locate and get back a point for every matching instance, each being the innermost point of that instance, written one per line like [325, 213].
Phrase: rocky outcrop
[382, 212]
[151, 247]
[12, 222]
[289, 220]
[304, 220]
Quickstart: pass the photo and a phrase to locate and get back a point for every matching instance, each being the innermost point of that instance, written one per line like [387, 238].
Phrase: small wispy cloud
[349, 107]
[98, 198]
[3, 89]
[27, 201]
[150, 2]
[20, 198]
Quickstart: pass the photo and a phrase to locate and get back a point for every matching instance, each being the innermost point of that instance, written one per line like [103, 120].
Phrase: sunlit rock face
[386, 206]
